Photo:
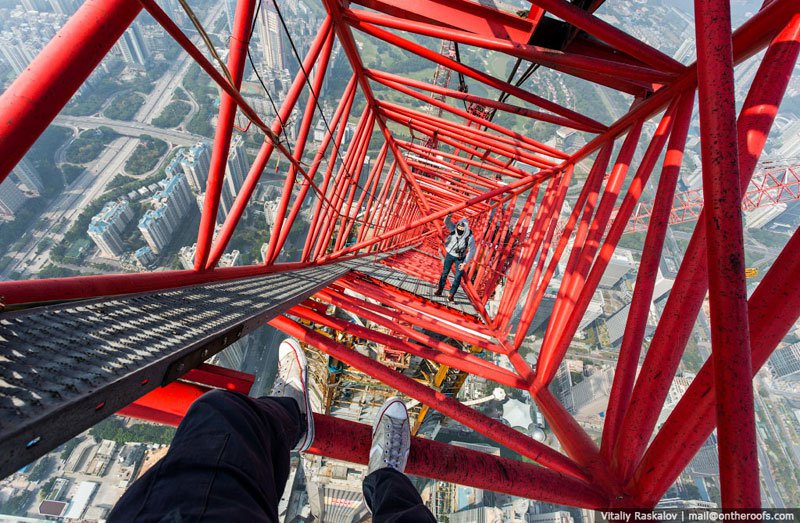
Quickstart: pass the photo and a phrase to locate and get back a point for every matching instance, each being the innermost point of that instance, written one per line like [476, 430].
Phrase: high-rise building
[35, 5]
[615, 325]
[477, 515]
[155, 229]
[560, 516]
[676, 391]
[761, 216]
[619, 265]
[108, 225]
[28, 176]
[144, 256]
[11, 200]
[132, 47]
[16, 56]
[187, 253]
[334, 489]
[235, 172]
[561, 387]
[706, 461]
[591, 398]
[269, 32]
[785, 362]
[195, 163]
[171, 203]
[64, 7]
[363, 176]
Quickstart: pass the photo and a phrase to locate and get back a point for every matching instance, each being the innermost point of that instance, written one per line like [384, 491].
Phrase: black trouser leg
[392, 498]
[229, 461]
[447, 267]
[456, 279]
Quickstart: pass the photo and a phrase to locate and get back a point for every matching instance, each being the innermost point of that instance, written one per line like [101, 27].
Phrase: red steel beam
[388, 78]
[267, 148]
[549, 210]
[461, 146]
[530, 180]
[455, 358]
[422, 317]
[512, 251]
[482, 77]
[590, 187]
[350, 441]
[471, 16]
[351, 50]
[589, 286]
[609, 34]
[40, 92]
[239, 43]
[511, 138]
[316, 221]
[645, 280]
[168, 405]
[346, 177]
[686, 297]
[320, 68]
[489, 427]
[433, 154]
[355, 178]
[694, 417]
[344, 107]
[367, 192]
[730, 337]
[748, 39]
[553, 346]
[85, 287]
[494, 144]
[558, 60]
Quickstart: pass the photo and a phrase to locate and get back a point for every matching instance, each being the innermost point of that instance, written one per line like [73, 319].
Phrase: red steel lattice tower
[365, 231]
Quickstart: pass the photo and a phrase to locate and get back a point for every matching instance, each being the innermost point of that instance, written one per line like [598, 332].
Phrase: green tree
[172, 115]
[146, 156]
[124, 106]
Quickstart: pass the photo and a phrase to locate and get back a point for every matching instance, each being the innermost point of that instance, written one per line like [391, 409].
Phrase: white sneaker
[391, 437]
[291, 383]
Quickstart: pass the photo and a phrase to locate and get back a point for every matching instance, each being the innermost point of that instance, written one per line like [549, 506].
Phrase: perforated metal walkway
[418, 286]
[65, 367]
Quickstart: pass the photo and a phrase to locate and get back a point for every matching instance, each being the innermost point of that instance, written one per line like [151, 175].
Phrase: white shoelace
[394, 443]
[278, 387]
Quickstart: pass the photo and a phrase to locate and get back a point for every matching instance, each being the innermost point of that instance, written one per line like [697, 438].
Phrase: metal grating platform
[66, 367]
[417, 286]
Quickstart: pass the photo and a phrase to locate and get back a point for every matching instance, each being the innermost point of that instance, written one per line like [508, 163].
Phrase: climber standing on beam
[459, 249]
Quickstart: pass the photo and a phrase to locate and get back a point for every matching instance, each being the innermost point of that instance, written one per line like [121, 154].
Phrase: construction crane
[775, 183]
[76, 350]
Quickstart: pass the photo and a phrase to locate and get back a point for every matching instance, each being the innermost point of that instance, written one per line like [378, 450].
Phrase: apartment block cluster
[22, 184]
[167, 203]
[80, 481]
[28, 27]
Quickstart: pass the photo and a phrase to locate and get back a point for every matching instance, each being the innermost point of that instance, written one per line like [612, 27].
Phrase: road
[769, 481]
[766, 414]
[69, 204]
[165, 86]
[66, 208]
[132, 129]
